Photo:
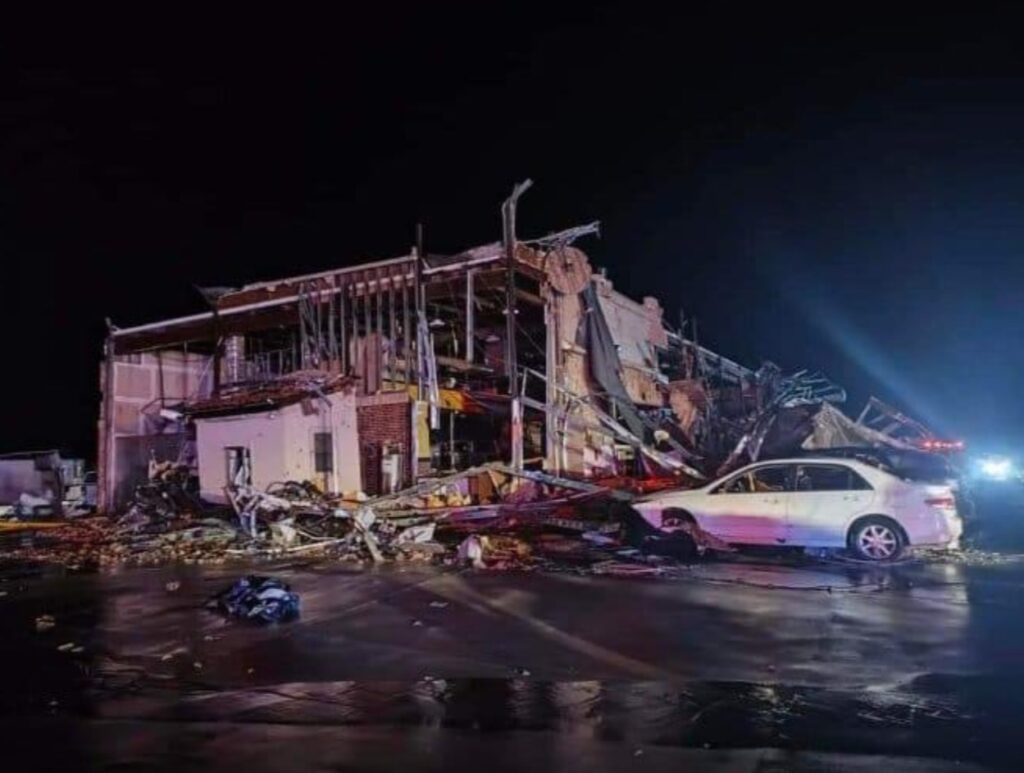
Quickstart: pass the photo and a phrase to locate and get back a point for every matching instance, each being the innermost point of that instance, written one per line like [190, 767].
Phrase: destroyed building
[368, 377]
[31, 481]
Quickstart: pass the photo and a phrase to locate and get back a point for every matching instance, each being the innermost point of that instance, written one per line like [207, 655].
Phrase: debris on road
[164, 497]
[488, 517]
[485, 517]
[261, 599]
[174, 653]
[471, 552]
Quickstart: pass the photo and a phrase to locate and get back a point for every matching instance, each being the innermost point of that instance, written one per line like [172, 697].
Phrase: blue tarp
[262, 599]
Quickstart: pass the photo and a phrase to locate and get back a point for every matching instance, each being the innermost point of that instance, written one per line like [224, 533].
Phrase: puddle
[948, 717]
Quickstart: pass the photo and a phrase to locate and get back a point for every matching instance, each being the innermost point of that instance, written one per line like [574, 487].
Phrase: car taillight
[947, 503]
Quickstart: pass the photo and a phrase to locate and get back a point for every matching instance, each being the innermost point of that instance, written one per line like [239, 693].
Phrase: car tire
[876, 538]
[670, 514]
[679, 545]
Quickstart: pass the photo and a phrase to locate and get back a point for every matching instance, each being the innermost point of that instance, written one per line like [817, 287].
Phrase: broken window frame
[723, 487]
[854, 481]
[240, 472]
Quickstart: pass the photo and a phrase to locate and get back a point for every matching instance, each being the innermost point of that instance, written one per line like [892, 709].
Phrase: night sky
[829, 192]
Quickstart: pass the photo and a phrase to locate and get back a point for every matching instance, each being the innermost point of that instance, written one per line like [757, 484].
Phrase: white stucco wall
[281, 445]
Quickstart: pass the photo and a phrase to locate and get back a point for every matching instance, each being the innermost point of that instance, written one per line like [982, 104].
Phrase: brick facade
[384, 420]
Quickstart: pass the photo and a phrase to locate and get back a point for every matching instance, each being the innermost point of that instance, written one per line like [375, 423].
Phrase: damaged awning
[268, 395]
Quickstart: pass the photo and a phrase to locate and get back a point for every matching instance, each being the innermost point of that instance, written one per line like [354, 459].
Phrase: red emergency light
[934, 444]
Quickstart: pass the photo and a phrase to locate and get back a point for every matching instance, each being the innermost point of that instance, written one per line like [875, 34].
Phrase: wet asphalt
[746, 663]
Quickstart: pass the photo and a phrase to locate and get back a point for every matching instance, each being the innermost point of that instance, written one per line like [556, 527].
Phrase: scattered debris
[702, 539]
[166, 496]
[417, 534]
[172, 586]
[471, 551]
[626, 569]
[363, 520]
[174, 653]
[487, 517]
[283, 533]
[262, 599]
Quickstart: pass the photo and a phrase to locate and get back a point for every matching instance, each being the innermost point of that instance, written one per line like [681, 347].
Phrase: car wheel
[877, 539]
[678, 542]
[675, 517]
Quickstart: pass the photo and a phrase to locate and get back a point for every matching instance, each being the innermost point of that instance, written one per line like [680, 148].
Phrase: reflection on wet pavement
[917, 659]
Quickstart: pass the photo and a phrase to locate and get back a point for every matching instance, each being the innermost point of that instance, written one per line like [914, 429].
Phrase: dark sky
[843, 193]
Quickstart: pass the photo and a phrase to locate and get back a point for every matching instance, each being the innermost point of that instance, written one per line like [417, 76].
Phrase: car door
[824, 499]
[750, 507]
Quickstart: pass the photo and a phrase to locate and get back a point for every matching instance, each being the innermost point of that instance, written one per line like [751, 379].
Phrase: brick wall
[384, 419]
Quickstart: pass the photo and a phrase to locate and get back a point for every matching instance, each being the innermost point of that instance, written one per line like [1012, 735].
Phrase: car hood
[675, 493]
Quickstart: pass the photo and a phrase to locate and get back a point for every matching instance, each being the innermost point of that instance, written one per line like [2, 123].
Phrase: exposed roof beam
[327, 274]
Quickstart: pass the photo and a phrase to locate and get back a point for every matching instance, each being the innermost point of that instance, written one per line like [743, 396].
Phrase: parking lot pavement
[919, 659]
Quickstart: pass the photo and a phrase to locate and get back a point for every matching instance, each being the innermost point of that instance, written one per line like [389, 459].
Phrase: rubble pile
[488, 517]
[100, 541]
[164, 497]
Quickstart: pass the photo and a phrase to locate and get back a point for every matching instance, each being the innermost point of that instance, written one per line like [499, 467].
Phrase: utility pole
[419, 308]
[508, 218]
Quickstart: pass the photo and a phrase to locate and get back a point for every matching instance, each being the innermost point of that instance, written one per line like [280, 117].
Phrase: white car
[822, 502]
